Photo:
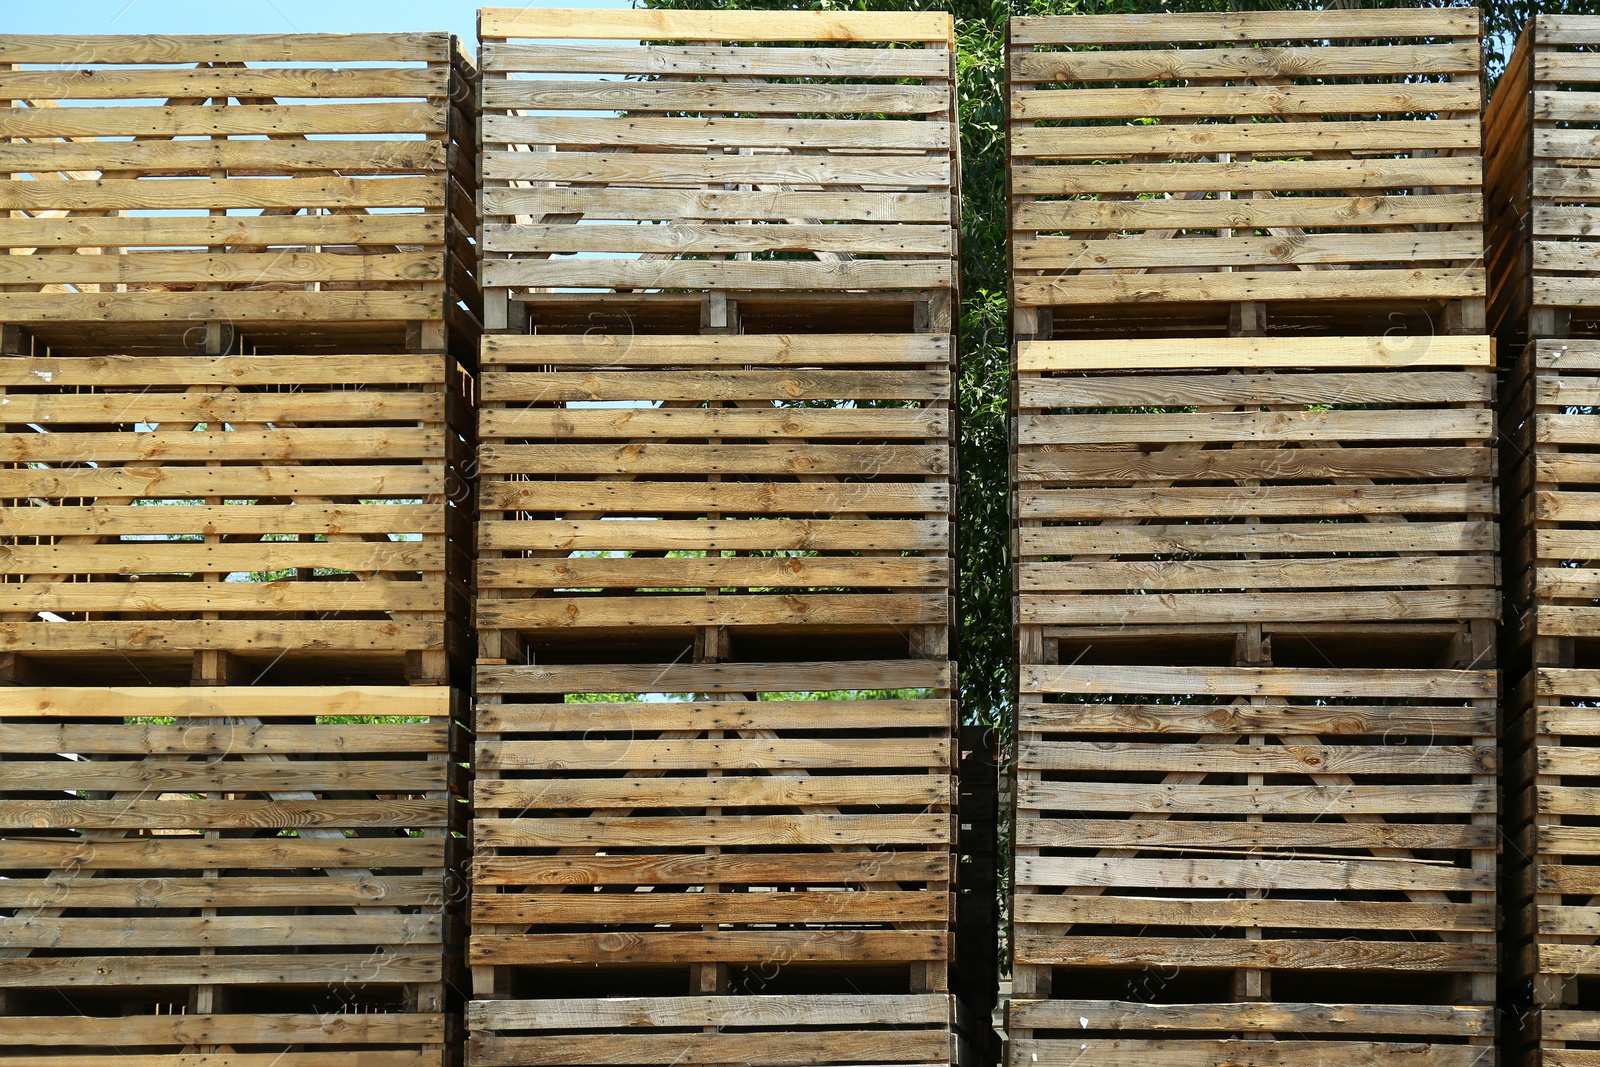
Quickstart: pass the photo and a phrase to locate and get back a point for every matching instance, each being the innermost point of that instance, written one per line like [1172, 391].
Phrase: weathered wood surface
[725, 812]
[1167, 158]
[668, 482]
[1255, 480]
[240, 502]
[198, 847]
[819, 164]
[344, 185]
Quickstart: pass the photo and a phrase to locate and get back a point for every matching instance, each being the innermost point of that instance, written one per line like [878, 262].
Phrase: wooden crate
[226, 875]
[275, 507]
[707, 825]
[1265, 480]
[1164, 166]
[1543, 198]
[304, 188]
[739, 1031]
[1299, 859]
[779, 151]
[1553, 640]
[636, 484]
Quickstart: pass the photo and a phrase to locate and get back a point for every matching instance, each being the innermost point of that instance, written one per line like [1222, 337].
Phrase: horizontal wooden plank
[614, 351]
[178, 193]
[726, 790]
[1308, 537]
[831, 714]
[728, 753]
[733, 946]
[766, 868]
[228, 738]
[1307, 801]
[121, 521]
[1254, 606]
[1289, 101]
[1259, 139]
[223, 445]
[146, 931]
[771, 61]
[237, 776]
[759, 459]
[1257, 427]
[1335, 249]
[1238, 502]
[782, 1011]
[228, 635]
[1236, 214]
[1258, 681]
[1288, 954]
[1270, 872]
[407, 228]
[265, 701]
[1218, 837]
[701, 498]
[716, 535]
[787, 572]
[240, 307]
[86, 49]
[716, 677]
[749, 99]
[148, 268]
[632, 205]
[196, 372]
[784, 274]
[282, 595]
[644, 831]
[1162, 575]
[111, 83]
[1265, 1017]
[101, 1031]
[1295, 758]
[588, 423]
[361, 890]
[1265, 387]
[1264, 464]
[1272, 1052]
[663, 169]
[1256, 353]
[78, 972]
[796, 1049]
[689, 132]
[1242, 26]
[1228, 62]
[192, 120]
[1235, 912]
[1438, 284]
[1247, 177]
[1346, 720]
[715, 25]
[187, 557]
[149, 407]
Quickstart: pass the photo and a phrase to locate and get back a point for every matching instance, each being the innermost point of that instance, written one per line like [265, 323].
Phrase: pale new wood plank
[752, 26]
[1255, 353]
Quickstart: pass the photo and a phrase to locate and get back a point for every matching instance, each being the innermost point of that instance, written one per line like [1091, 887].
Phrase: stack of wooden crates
[715, 726]
[1254, 541]
[236, 328]
[1544, 202]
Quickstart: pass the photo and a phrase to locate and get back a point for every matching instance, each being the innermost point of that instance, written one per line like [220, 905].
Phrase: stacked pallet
[715, 805]
[234, 386]
[1254, 542]
[1542, 124]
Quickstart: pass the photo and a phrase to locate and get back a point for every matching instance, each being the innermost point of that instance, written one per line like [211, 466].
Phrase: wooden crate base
[793, 1030]
[714, 813]
[181, 860]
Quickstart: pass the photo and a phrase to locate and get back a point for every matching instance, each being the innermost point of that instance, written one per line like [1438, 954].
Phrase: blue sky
[257, 16]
